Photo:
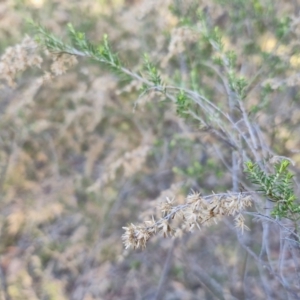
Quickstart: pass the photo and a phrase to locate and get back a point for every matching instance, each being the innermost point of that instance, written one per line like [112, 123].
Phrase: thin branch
[164, 276]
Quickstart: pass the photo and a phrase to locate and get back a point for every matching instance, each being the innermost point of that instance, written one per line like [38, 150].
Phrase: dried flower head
[18, 58]
[61, 63]
[197, 211]
[136, 236]
[240, 223]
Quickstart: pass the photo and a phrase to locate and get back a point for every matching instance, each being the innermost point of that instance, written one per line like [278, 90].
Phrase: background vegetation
[89, 146]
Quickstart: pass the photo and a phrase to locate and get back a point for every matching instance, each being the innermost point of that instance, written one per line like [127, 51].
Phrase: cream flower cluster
[196, 212]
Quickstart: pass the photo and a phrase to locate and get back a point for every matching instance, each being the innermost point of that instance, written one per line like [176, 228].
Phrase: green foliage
[79, 45]
[47, 39]
[231, 58]
[283, 27]
[211, 35]
[152, 75]
[194, 171]
[183, 104]
[277, 187]
[238, 84]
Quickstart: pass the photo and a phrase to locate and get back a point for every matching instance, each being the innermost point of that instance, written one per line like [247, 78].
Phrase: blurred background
[82, 154]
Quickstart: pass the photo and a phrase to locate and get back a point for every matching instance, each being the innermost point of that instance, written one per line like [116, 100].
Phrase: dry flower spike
[196, 212]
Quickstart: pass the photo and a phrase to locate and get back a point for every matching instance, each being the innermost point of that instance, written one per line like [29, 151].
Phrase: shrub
[215, 97]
